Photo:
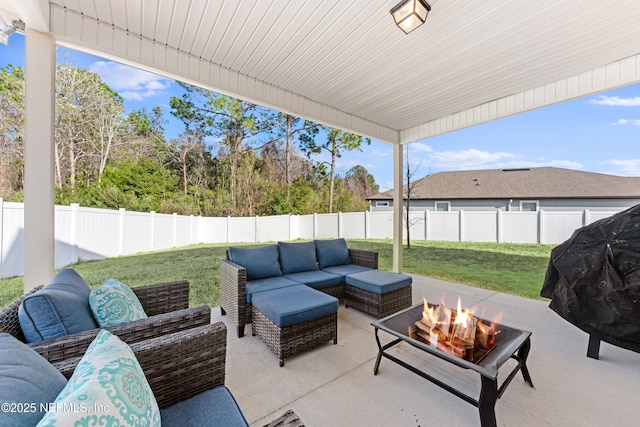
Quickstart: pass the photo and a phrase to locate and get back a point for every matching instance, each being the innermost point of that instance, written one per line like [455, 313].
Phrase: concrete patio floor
[334, 385]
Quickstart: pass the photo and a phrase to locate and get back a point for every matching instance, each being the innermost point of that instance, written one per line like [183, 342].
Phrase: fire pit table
[509, 343]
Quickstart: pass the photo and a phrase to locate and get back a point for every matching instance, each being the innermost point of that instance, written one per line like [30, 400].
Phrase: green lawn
[517, 269]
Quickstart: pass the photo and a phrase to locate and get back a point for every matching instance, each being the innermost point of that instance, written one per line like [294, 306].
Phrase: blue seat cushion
[316, 279]
[378, 281]
[60, 308]
[27, 379]
[297, 257]
[332, 252]
[214, 407]
[268, 284]
[344, 270]
[260, 262]
[293, 305]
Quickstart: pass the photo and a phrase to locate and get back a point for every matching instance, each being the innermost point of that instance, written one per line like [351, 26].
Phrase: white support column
[39, 201]
[397, 208]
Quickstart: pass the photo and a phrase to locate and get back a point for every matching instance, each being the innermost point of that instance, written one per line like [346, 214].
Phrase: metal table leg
[487, 401]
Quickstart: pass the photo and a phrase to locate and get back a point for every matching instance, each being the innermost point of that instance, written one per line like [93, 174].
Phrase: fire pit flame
[459, 332]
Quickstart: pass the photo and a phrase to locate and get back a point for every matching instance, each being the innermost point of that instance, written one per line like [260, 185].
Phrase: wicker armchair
[182, 365]
[233, 287]
[166, 304]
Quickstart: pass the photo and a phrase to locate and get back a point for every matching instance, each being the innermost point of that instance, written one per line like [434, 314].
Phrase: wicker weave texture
[9, 322]
[291, 340]
[74, 345]
[163, 297]
[364, 258]
[288, 419]
[179, 365]
[233, 286]
[233, 291]
[378, 305]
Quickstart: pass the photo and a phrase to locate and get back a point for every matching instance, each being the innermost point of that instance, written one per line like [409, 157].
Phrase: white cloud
[616, 101]
[567, 164]
[419, 147]
[628, 167]
[620, 122]
[131, 83]
[467, 158]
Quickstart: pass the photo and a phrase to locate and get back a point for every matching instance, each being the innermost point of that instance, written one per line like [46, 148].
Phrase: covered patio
[334, 385]
[347, 65]
[343, 64]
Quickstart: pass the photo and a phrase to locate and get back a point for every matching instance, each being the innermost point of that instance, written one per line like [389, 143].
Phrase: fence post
[461, 225]
[255, 229]
[191, 220]
[586, 217]
[427, 223]
[228, 224]
[152, 219]
[499, 225]
[75, 209]
[315, 225]
[339, 224]
[366, 224]
[540, 226]
[121, 233]
[175, 230]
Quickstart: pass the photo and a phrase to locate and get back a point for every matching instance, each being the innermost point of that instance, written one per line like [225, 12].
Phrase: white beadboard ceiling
[346, 64]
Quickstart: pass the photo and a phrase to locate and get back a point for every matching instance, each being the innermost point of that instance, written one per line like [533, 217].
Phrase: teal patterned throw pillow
[114, 303]
[107, 389]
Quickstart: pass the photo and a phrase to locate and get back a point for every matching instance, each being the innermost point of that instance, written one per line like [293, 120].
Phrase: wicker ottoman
[378, 293]
[293, 319]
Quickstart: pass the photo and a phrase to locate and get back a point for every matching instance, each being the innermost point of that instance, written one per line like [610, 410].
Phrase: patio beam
[40, 69]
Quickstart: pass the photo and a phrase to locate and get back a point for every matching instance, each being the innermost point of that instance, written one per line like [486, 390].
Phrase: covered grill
[593, 280]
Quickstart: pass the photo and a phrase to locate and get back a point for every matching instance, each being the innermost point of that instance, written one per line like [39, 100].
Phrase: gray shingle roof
[526, 183]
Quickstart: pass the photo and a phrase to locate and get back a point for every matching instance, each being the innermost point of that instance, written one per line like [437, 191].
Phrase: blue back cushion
[297, 257]
[332, 252]
[60, 308]
[27, 379]
[260, 262]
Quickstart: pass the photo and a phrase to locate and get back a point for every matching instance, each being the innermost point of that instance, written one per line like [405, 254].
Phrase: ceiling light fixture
[410, 14]
[5, 33]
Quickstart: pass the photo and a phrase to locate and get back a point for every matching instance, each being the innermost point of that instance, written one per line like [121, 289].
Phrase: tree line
[232, 158]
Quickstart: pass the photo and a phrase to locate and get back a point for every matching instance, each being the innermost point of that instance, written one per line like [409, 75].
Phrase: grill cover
[593, 279]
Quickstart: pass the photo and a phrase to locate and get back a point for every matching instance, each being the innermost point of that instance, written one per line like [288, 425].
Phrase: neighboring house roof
[525, 183]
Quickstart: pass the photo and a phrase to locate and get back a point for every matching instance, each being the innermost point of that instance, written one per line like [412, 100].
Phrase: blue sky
[598, 133]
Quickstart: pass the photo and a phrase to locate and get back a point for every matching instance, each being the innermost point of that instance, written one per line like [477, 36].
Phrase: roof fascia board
[614, 75]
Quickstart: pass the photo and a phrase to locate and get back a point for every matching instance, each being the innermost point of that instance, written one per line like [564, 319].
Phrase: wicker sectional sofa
[321, 264]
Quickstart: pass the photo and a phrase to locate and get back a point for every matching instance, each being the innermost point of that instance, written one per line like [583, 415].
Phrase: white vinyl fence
[89, 233]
